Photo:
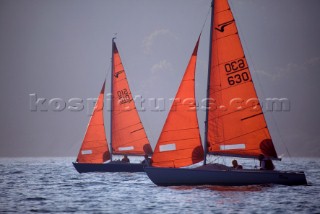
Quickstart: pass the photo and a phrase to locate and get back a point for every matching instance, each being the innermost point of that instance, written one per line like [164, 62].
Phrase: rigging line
[260, 85]
[205, 21]
[92, 113]
[132, 83]
[108, 71]
[146, 121]
[108, 92]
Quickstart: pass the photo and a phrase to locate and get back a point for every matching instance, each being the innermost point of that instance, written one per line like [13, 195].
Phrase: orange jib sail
[236, 124]
[179, 143]
[128, 133]
[94, 147]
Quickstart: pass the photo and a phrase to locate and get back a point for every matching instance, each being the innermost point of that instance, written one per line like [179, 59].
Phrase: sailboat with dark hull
[127, 134]
[230, 130]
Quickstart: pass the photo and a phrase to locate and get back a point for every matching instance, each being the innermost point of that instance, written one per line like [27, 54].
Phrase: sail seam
[221, 11]
[136, 130]
[251, 116]
[240, 136]
[222, 37]
[180, 129]
[249, 81]
[177, 140]
[233, 112]
[117, 130]
[118, 112]
[122, 79]
[128, 143]
[243, 57]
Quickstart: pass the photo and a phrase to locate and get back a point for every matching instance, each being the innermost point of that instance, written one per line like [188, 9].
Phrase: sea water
[52, 185]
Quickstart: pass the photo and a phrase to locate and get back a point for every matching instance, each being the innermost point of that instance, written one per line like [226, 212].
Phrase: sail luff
[112, 95]
[208, 88]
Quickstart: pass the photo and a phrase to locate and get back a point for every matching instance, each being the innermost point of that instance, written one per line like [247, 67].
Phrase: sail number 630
[238, 78]
[234, 67]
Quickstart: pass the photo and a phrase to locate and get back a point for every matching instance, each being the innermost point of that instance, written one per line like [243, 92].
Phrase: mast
[208, 89]
[111, 109]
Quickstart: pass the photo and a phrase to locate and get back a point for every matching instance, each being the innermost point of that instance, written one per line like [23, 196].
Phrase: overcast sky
[62, 49]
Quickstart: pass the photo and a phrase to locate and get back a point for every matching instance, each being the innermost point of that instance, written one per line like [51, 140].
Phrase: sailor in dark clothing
[235, 165]
[265, 163]
[146, 161]
[125, 159]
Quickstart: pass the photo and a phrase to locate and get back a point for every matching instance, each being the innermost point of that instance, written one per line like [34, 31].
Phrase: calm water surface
[53, 185]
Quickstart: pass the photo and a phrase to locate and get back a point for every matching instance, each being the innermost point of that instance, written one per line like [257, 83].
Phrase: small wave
[248, 188]
[40, 211]
[16, 172]
[36, 199]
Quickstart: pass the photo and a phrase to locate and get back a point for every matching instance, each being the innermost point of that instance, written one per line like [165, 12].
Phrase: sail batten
[232, 127]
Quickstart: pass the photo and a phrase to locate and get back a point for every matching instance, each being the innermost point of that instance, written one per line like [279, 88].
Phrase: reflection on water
[53, 185]
[251, 188]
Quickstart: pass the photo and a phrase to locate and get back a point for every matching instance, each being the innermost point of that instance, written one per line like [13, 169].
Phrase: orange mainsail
[94, 147]
[236, 124]
[128, 134]
[179, 143]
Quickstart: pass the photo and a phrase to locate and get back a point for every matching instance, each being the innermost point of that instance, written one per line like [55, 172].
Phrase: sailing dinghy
[233, 131]
[128, 136]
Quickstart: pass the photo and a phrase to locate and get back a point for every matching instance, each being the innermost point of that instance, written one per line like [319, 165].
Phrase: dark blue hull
[193, 177]
[108, 167]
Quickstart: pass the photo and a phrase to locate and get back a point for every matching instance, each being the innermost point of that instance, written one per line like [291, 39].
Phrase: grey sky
[63, 49]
